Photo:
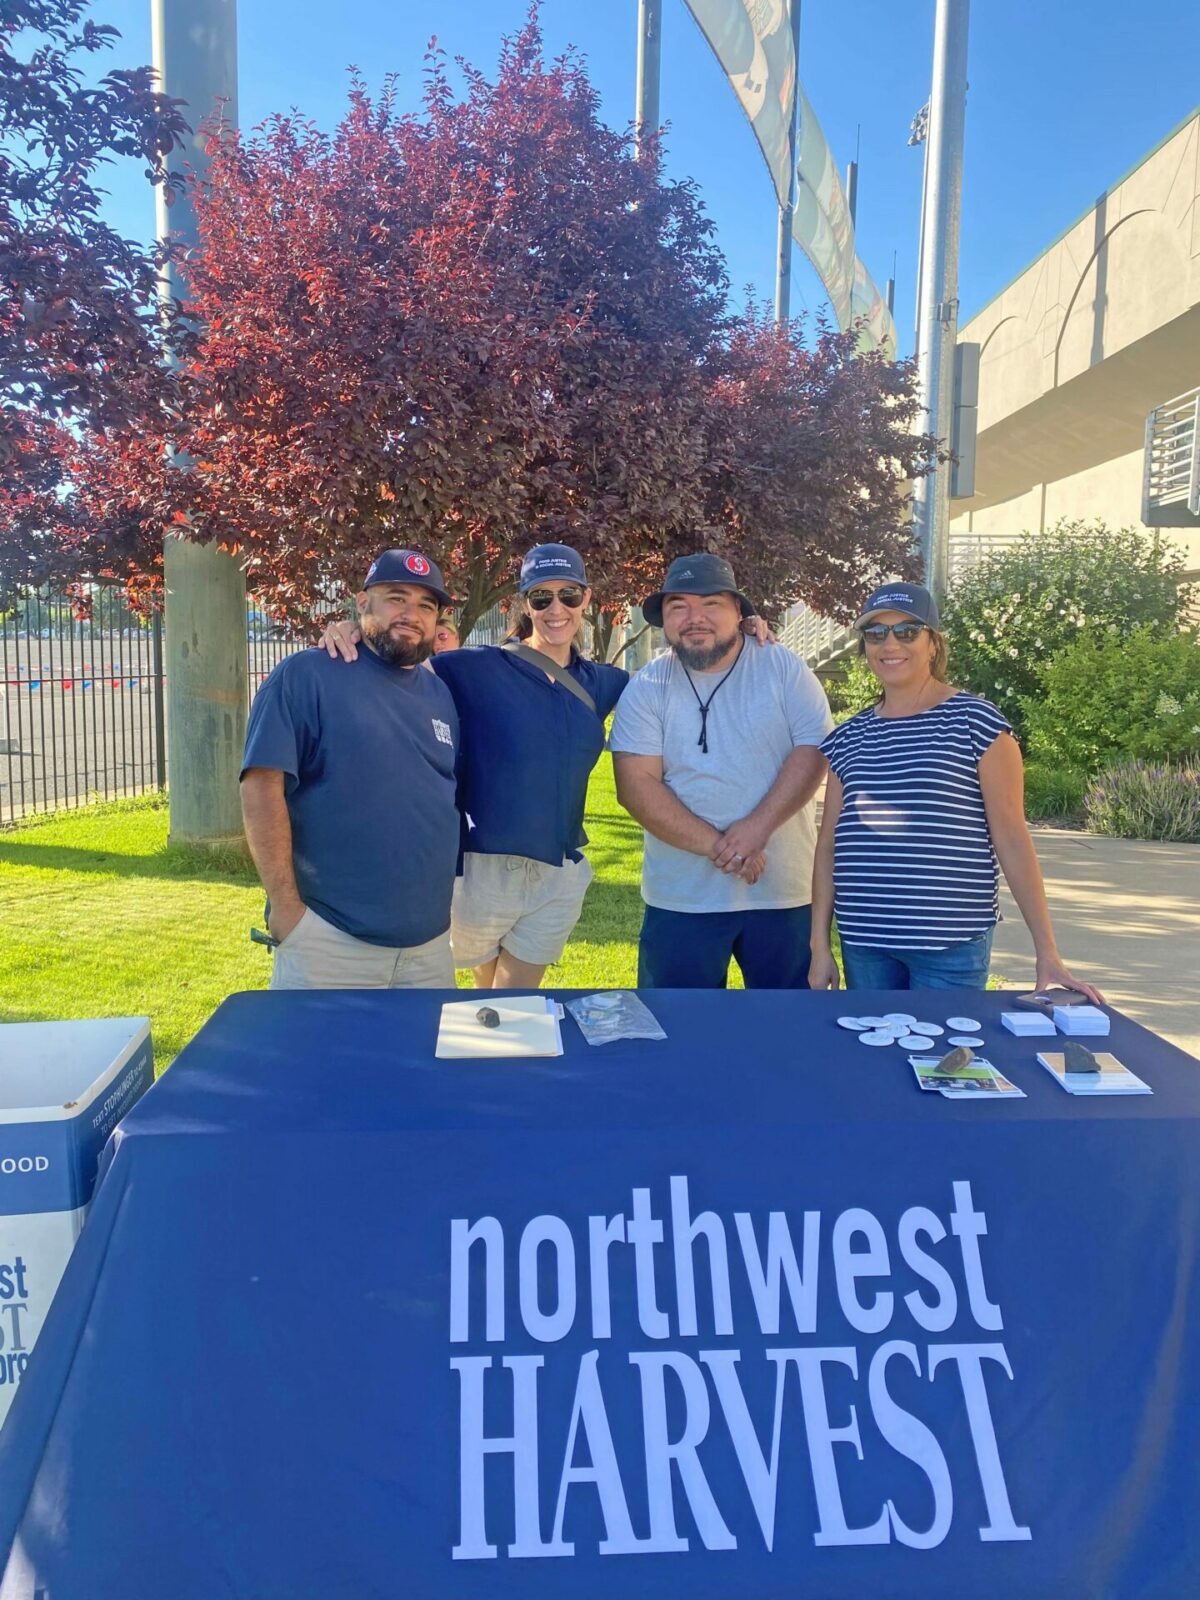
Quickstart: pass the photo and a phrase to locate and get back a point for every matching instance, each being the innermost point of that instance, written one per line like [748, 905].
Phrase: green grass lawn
[102, 918]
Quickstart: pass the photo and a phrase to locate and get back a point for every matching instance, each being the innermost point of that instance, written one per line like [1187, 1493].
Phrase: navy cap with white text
[913, 599]
[546, 562]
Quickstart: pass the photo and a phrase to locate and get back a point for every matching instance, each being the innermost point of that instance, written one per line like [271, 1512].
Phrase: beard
[396, 650]
[699, 658]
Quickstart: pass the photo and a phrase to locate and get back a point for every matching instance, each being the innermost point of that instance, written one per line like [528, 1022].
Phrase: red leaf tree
[80, 339]
[478, 328]
[811, 457]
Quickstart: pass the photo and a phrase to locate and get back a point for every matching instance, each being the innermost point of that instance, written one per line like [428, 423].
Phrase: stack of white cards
[1081, 1021]
[1027, 1024]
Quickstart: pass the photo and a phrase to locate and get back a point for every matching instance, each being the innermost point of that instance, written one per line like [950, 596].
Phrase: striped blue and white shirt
[913, 863]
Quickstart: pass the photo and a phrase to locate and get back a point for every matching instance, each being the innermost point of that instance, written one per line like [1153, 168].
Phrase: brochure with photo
[979, 1080]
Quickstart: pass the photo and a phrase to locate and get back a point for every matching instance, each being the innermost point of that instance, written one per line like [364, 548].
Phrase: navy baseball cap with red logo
[408, 566]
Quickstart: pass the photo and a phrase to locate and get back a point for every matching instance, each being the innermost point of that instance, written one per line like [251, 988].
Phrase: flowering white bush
[1009, 615]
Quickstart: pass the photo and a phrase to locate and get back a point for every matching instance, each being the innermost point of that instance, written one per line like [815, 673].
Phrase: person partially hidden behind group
[446, 634]
[925, 798]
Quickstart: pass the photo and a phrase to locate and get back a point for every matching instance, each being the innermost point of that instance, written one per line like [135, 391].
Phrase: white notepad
[1113, 1077]
[528, 1027]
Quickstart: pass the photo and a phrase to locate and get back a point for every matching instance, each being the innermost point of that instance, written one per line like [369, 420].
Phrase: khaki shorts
[316, 955]
[512, 903]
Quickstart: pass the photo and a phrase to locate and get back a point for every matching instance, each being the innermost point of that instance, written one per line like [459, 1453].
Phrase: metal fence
[82, 703]
[823, 643]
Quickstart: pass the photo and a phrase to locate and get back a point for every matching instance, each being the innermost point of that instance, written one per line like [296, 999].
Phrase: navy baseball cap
[545, 562]
[912, 598]
[408, 566]
[698, 574]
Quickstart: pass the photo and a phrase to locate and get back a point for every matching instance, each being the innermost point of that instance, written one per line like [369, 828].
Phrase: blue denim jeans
[959, 966]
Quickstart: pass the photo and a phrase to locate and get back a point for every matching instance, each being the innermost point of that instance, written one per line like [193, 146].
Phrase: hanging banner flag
[822, 227]
[752, 39]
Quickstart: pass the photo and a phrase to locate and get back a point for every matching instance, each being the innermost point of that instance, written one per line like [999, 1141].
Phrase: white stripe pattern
[914, 867]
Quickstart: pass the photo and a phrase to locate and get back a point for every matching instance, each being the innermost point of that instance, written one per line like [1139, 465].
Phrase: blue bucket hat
[702, 573]
[546, 562]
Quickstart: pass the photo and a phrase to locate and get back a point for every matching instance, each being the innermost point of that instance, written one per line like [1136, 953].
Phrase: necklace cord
[704, 705]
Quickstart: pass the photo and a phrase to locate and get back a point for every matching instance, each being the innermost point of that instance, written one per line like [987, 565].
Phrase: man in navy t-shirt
[348, 798]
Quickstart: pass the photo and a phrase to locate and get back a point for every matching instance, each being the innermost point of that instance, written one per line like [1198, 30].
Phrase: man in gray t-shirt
[715, 747]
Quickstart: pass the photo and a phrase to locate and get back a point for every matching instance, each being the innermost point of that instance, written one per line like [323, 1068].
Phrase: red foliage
[79, 332]
[483, 327]
[810, 459]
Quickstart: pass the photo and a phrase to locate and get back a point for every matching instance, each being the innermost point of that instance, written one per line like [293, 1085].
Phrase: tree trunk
[629, 643]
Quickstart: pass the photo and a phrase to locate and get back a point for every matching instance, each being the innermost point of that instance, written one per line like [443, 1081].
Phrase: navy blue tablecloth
[737, 1314]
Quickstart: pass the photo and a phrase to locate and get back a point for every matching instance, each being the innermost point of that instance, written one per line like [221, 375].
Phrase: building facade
[1077, 351]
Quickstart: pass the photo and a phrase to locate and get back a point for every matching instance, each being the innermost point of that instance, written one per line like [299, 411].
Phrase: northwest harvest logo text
[668, 1430]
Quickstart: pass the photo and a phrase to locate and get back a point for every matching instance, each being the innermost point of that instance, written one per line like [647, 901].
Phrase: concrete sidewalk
[1127, 917]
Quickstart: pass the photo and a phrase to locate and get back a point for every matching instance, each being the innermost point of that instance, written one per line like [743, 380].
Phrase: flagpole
[647, 120]
[783, 253]
[937, 330]
[647, 117]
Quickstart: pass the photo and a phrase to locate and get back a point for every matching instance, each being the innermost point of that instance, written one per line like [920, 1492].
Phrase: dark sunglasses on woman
[543, 599]
[906, 632]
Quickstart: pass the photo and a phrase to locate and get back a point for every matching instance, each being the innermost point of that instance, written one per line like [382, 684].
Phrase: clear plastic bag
[614, 1014]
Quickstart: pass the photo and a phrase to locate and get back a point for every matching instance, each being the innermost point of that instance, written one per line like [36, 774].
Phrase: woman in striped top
[925, 799]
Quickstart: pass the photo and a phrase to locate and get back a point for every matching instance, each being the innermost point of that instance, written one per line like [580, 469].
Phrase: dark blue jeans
[959, 966]
[692, 949]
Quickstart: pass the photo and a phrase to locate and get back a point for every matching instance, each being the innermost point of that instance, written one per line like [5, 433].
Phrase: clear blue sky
[1065, 96]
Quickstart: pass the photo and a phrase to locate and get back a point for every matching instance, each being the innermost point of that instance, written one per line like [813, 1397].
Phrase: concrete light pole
[937, 299]
[195, 56]
[783, 249]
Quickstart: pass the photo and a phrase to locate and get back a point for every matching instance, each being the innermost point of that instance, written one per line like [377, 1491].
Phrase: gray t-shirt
[770, 703]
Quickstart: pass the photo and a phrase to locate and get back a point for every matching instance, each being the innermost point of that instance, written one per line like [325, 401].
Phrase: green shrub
[1107, 698]
[1009, 614]
[1052, 791]
[1145, 801]
[855, 690]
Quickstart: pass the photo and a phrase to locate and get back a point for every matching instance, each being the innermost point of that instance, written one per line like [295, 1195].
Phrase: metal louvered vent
[1171, 477]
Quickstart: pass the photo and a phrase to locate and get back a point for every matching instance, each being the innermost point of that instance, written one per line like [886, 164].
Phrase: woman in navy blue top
[924, 801]
[528, 746]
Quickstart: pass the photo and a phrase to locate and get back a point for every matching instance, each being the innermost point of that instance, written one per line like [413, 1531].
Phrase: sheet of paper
[528, 1027]
[1113, 1077]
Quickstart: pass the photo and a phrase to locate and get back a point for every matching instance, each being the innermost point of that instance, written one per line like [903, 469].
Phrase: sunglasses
[543, 599]
[906, 632]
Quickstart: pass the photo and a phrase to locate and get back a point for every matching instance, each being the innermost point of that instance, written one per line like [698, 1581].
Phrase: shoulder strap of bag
[535, 658]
